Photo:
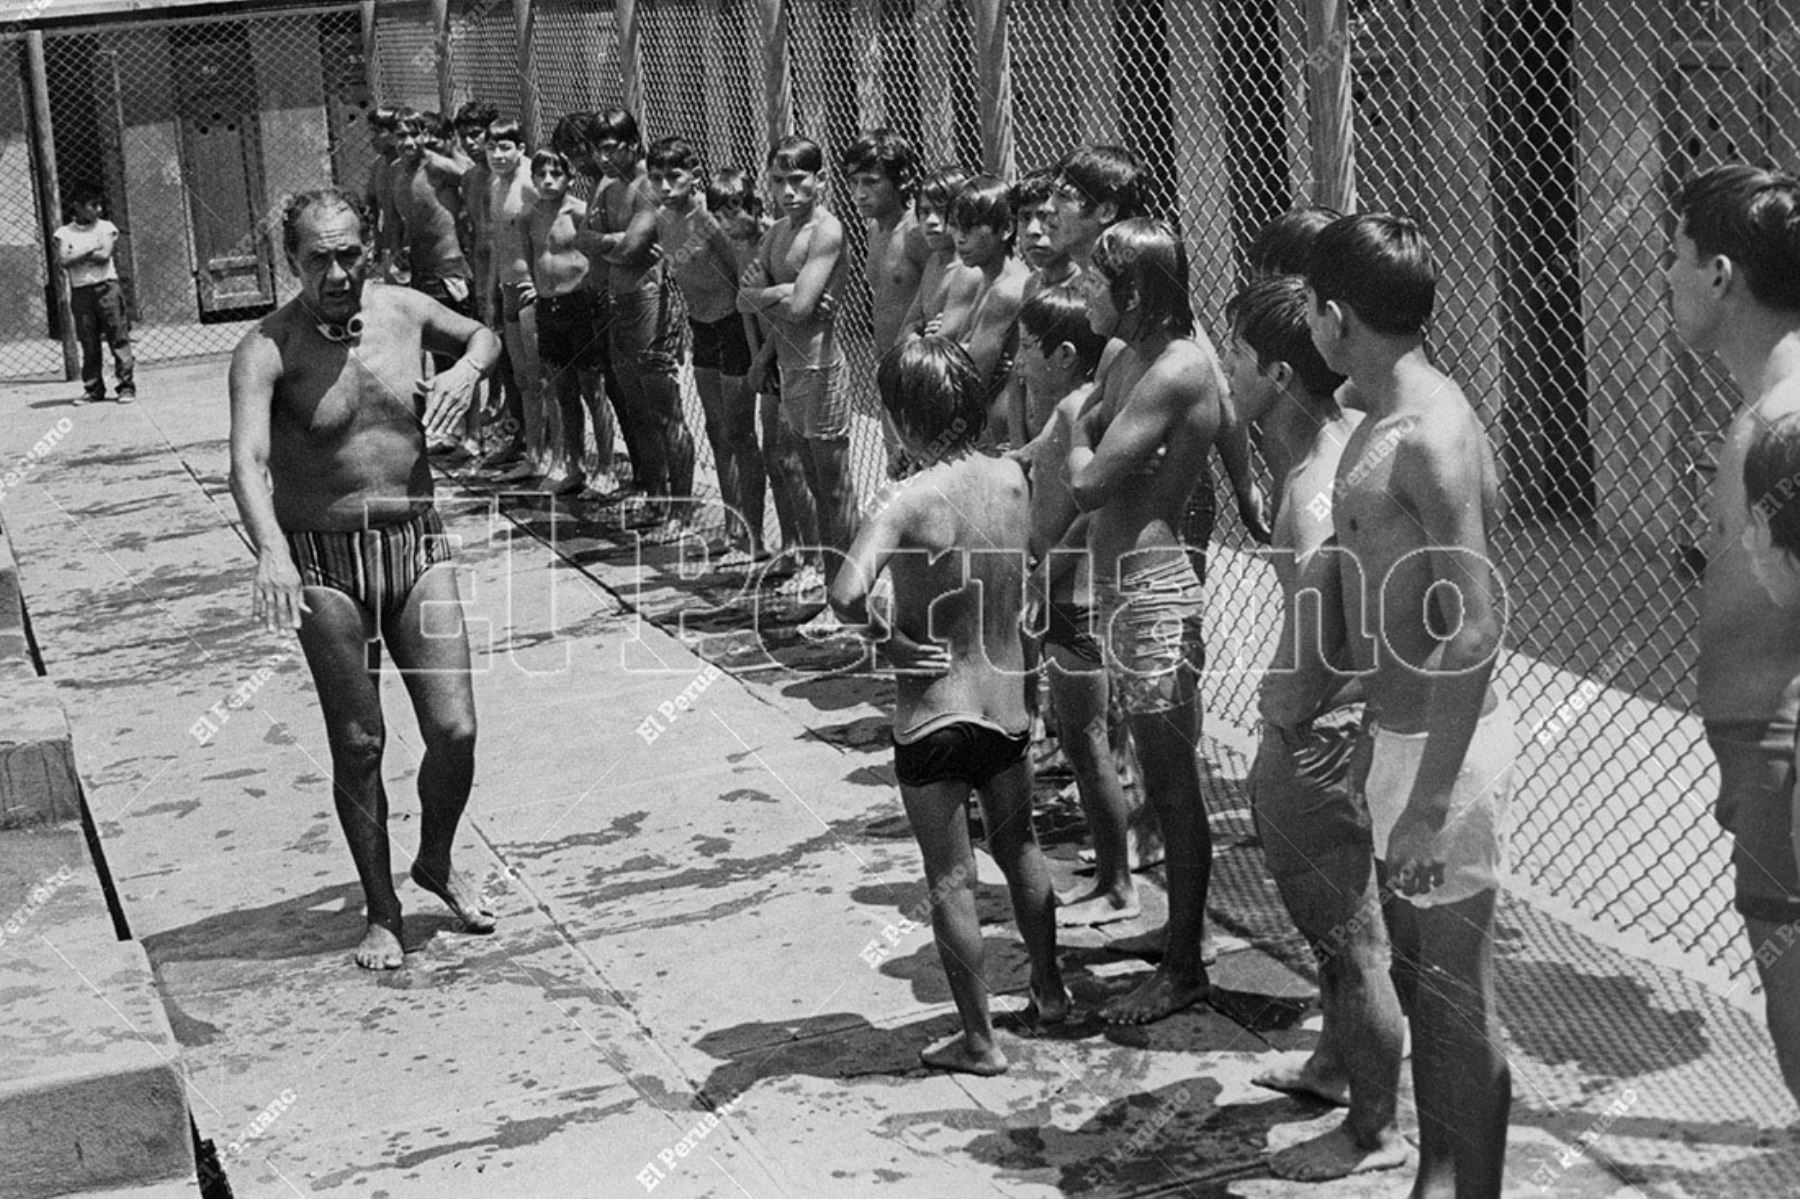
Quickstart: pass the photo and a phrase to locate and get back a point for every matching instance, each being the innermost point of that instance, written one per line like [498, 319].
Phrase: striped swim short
[377, 567]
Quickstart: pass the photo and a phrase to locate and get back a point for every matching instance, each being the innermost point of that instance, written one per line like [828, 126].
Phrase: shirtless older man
[1136, 451]
[329, 420]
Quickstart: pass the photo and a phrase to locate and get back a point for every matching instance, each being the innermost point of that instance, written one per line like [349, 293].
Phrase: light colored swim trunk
[1472, 839]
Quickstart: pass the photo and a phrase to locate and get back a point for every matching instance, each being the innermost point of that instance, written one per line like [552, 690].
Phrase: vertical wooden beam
[778, 80]
[871, 101]
[50, 196]
[993, 85]
[529, 116]
[631, 63]
[371, 51]
[716, 96]
[440, 44]
[1329, 103]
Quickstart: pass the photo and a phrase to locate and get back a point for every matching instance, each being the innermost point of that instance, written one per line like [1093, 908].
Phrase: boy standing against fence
[84, 249]
[981, 303]
[511, 200]
[883, 169]
[952, 538]
[704, 264]
[565, 315]
[794, 282]
[1734, 287]
[1314, 828]
[1416, 497]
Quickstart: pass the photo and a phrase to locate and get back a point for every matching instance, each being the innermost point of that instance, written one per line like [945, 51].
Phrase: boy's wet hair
[732, 189]
[672, 154]
[409, 120]
[1282, 246]
[385, 118]
[1269, 316]
[549, 156]
[885, 151]
[1752, 217]
[1772, 479]
[797, 154]
[615, 124]
[1102, 174]
[323, 199]
[1380, 267]
[476, 114]
[939, 188]
[931, 388]
[1143, 258]
[87, 192]
[574, 133]
[1031, 190]
[1055, 316]
[437, 126]
[506, 130]
[984, 202]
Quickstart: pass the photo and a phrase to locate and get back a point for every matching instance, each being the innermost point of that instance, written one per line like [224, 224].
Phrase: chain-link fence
[1538, 140]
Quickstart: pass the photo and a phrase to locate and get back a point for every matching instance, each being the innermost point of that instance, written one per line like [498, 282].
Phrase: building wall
[162, 246]
[22, 270]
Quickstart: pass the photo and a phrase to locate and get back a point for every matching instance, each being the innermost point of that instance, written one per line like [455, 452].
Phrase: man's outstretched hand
[447, 398]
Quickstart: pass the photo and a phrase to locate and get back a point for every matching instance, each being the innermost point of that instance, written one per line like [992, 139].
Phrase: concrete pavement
[703, 983]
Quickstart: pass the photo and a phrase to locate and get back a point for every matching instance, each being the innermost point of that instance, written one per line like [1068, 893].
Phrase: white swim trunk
[1472, 841]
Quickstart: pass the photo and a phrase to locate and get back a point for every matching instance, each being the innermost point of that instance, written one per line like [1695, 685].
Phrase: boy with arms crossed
[1416, 493]
[932, 211]
[704, 264]
[883, 169]
[1314, 829]
[1734, 287]
[84, 250]
[1058, 354]
[792, 284]
[960, 722]
[511, 199]
[981, 302]
[1136, 449]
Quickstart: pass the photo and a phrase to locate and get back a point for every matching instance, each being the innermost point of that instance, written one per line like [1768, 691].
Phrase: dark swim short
[1304, 796]
[963, 751]
[565, 329]
[1759, 807]
[377, 567]
[721, 346]
[1071, 627]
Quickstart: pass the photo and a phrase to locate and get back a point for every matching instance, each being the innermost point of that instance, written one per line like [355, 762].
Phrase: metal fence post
[440, 43]
[50, 197]
[993, 64]
[371, 48]
[631, 62]
[778, 84]
[524, 16]
[1329, 103]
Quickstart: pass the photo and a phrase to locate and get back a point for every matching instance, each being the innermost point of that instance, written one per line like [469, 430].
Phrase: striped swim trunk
[377, 567]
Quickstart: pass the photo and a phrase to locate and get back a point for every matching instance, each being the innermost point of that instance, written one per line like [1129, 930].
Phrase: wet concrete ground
[681, 997]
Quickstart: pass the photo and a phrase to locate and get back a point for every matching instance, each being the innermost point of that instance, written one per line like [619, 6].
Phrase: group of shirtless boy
[1055, 319]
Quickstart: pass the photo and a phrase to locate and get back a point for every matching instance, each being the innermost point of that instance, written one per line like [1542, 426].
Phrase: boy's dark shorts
[1304, 793]
[1758, 806]
[721, 346]
[565, 330]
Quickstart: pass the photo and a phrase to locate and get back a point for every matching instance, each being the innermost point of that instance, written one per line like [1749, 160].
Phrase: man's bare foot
[956, 1055]
[1159, 996]
[1137, 857]
[1097, 907]
[1306, 1081]
[461, 896]
[380, 949]
[1335, 1154]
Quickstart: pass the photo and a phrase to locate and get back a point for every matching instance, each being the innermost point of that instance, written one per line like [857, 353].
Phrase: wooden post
[1329, 103]
[440, 42]
[631, 65]
[50, 197]
[529, 116]
[871, 103]
[371, 50]
[778, 83]
[993, 86]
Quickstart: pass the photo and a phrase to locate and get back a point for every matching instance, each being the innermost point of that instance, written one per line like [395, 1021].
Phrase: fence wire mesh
[1537, 140]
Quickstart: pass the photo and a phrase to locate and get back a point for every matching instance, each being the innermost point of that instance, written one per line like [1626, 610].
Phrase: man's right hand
[278, 600]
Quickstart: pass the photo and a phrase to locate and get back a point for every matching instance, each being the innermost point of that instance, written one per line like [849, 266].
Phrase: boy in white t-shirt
[84, 248]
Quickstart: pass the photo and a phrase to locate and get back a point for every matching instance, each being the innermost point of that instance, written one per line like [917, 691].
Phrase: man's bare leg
[1444, 974]
[431, 648]
[1776, 948]
[1166, 744]
[1006, 815]
[346, 672]
[709, 383]
[746, 457]
[935, 812]
[794, 512]
[826, 461]
[1079, 694]
[1337, 908]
